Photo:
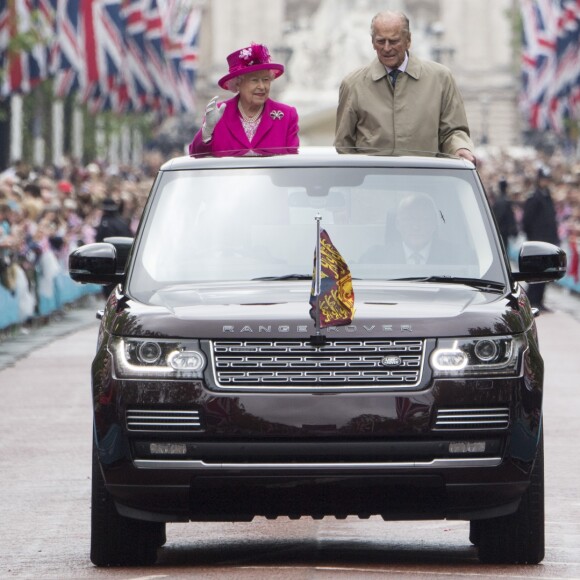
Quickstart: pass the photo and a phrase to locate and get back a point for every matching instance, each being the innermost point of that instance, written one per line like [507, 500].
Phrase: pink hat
[246, 60]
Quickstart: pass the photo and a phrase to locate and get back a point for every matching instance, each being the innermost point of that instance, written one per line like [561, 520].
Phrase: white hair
[234, 84]
[389, 14]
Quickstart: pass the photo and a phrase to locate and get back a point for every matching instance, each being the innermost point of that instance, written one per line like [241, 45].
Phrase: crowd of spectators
[511, 177]
[517, 171]
[45, 214]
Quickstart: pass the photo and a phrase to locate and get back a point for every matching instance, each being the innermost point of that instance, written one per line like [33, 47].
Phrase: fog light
[467, 447]
[189, 361]
[168, 448]
[449, 359]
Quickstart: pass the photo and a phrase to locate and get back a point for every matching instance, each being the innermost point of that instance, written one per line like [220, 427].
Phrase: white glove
[213, 113]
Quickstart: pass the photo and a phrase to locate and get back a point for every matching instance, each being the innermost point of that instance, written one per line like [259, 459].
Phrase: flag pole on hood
[318, 338]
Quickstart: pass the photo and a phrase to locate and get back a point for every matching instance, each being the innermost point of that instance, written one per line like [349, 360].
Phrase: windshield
[248, 224]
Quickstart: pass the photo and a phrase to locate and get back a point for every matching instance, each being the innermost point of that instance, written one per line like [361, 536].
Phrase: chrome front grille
[339, 364]
[472, 419]
[163, 420]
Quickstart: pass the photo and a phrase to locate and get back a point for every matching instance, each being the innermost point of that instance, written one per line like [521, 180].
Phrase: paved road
[45, 435]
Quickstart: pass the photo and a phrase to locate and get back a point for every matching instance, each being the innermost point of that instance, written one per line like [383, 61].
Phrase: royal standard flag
[332, 301]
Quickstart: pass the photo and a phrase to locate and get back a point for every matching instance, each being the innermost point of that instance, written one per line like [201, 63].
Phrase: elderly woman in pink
[250, 123]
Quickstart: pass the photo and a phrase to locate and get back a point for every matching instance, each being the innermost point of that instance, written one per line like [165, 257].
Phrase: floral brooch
[277, 115]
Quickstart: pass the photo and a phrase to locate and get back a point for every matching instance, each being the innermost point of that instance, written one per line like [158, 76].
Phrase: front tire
[115, 539]
[474, 532]
[519, 537]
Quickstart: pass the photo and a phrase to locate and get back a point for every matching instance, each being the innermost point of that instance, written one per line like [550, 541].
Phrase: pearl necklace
[248, 118]
[250, 124]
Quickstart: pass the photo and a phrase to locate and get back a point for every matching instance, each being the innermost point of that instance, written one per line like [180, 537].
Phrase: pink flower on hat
[246, 54]
[255, 54]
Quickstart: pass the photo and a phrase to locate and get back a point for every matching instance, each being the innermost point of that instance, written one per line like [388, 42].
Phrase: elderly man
[417, 239]
[400, 104]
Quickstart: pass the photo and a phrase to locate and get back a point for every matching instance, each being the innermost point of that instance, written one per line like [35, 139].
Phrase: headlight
[490, 355]
[145, 358]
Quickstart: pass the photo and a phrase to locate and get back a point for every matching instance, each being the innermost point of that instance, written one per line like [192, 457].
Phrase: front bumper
[453, 489]
[304, 454]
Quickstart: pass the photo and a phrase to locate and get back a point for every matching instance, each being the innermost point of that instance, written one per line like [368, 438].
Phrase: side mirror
[99, 263]
[123, 246]
[540, 262]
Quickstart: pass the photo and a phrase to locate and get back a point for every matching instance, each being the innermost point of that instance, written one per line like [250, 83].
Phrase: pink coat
[277, 132]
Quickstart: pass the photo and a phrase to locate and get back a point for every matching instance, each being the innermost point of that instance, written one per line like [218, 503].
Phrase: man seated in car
[416, 241]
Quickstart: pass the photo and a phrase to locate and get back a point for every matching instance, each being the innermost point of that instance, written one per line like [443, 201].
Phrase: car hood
[262, 309]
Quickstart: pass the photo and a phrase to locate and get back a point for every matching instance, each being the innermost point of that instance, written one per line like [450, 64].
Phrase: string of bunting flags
[141, 55]
[550, 89]
[116, 55]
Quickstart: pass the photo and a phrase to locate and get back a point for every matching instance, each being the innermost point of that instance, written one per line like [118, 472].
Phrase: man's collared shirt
[402, 67]
[416, 256]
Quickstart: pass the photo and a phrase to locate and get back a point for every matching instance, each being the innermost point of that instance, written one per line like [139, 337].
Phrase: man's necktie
[393, 76]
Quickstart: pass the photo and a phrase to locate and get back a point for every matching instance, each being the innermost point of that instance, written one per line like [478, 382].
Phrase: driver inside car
[415, 237]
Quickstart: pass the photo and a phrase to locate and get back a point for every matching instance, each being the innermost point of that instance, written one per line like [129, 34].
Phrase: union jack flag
[140, 84]
[155, 57]
[67, 61]
[34, 21]
[182, 43]
[550, 63]
[116, 54]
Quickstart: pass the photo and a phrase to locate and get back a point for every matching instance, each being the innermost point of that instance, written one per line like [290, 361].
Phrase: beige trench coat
[423, 114]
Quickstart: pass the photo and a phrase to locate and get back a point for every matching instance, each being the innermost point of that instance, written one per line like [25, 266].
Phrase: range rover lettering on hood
[283, 328]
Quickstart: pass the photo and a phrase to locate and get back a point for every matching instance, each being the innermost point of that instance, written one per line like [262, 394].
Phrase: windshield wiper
[285, 277]
[474, 282]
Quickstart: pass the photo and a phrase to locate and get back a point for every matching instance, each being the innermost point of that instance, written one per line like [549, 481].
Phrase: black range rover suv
[217, 399]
